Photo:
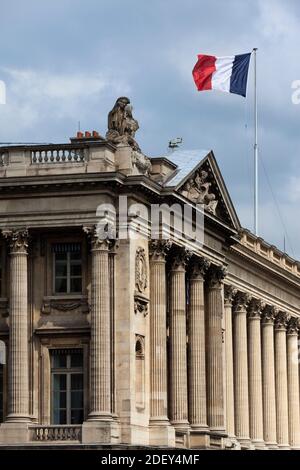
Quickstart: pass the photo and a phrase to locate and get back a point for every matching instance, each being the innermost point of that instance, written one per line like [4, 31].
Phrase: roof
[186, 161]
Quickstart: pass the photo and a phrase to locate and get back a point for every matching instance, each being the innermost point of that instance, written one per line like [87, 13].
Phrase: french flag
[228, 73]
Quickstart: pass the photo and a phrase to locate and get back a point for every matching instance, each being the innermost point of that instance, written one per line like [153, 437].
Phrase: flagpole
[255, 149]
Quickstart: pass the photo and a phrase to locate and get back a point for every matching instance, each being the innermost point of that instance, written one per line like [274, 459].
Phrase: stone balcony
[90, 155]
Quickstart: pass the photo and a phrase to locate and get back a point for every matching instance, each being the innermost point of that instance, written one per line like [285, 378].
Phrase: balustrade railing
[57, 155]
[55, 433]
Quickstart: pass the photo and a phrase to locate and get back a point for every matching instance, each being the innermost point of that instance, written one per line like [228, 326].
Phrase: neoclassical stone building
[133, 339]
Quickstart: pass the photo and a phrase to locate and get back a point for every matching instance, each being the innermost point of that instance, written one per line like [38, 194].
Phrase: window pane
[59, 361]
[75, 269]
[75, 256]
[62, 417]
[76, 416]
[76, 381]
[76, 285]
[60, 256]
[59, 382]
[60, 285]
[77, 360]
[61, 270]
[56, 416]
[77, 399]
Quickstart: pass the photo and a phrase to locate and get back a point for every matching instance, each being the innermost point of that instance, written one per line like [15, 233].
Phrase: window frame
[68, 371]
[68, 276]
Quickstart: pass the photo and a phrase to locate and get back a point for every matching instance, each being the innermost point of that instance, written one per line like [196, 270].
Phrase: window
[1, 271]
[67, 268]
[1, 393]
[139, 372]
[67, 386]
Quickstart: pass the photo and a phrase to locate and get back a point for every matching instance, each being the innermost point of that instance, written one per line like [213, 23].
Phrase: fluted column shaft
[281, 382]
[197, 375]
[255, 373]
[100, 381]
[214, 350]
[268, 373]
[178, 351]
[229, 292]
[18, 332]
[241, 369]
[158, 335]
[293, 383]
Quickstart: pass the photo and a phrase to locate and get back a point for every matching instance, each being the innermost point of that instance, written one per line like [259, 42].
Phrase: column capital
[293, 326]
[229, 294]
[216, 275]
[17, 239]
[241, 301]
[281, 320]
[158, 249]
[180, 259]
[199, 267]
[99, 240]
[255, 308]
[268, 314]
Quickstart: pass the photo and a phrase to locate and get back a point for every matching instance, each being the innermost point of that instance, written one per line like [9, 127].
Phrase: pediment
[204, 184]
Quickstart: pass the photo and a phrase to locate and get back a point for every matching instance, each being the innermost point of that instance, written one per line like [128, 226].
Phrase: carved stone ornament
[64, 306]
[199, 268]
[268, 314]
[103, 237]
[141, 304]
[141, 275]
[197, 189]
[180, 258]
[158, 249]
[142, 163]
[255, 308]
[281, 320]
[241, 301]
[293, 326]
[216, 275]
[17, 239]
[229, 294]
[121, 124]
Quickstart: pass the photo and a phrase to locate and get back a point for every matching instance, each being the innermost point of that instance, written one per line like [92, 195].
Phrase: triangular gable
[203, 184]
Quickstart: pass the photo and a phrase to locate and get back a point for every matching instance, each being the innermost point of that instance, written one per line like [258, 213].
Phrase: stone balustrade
[55, 433]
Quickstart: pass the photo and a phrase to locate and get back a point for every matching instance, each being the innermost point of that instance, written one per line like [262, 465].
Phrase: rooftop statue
[121, 124]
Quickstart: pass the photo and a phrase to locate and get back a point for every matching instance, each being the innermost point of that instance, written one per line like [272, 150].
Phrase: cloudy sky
[66, 61]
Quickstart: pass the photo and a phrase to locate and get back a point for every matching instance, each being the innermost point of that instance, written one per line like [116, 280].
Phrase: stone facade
[134, 340]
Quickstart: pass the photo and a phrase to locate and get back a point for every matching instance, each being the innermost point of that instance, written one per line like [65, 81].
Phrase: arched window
[140, 371]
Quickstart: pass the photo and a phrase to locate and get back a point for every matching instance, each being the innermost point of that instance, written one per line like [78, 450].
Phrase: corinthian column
[268, 373]
[229, 293]
[18, 407]
[197, 379]
[293, 383]
[240, 361]
[100, 381]
[255, 373]
[178, 362]
[214, 347]
[160, 431]
[281, 380]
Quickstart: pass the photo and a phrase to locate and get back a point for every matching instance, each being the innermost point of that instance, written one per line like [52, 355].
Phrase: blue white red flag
[227, 74]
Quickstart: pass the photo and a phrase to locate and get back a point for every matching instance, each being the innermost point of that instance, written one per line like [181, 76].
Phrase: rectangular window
[67, 386]
[67, 268]
[1, 271]
[1, 393]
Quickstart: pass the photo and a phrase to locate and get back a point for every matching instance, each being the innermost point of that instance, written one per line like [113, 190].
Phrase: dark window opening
[67, 386]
